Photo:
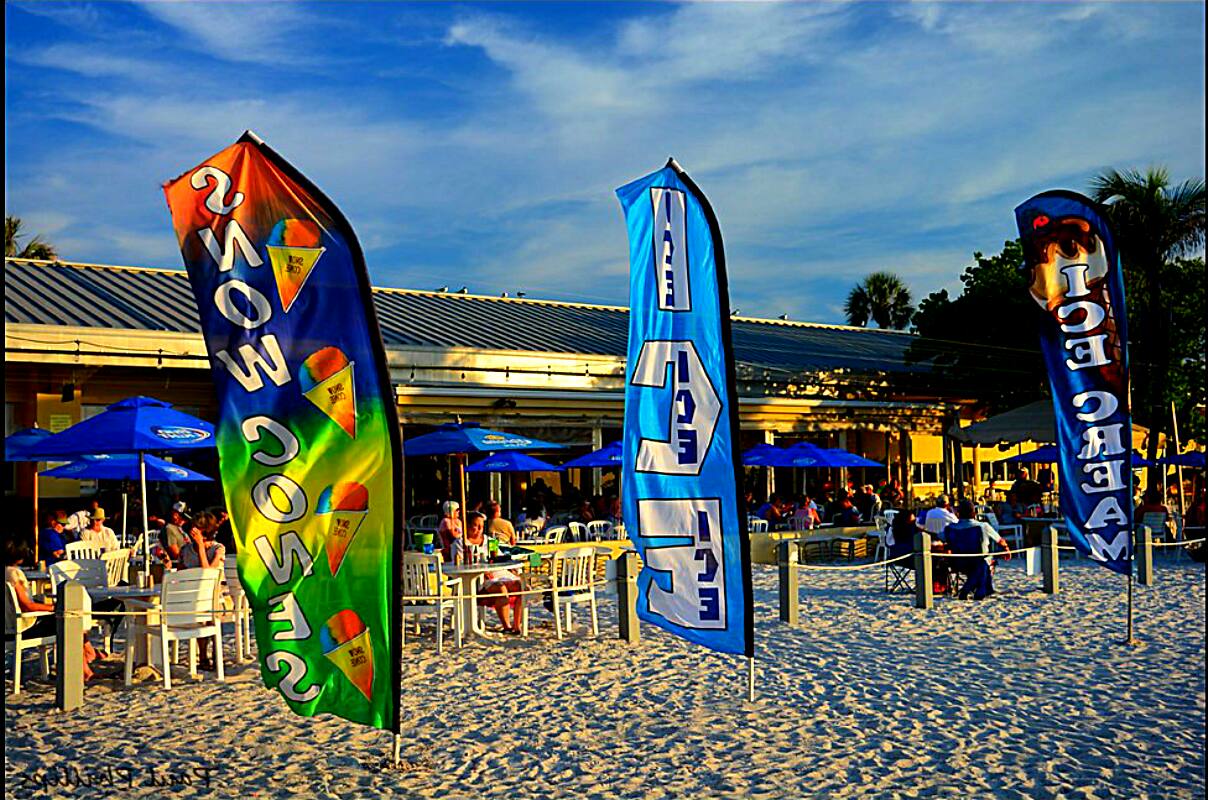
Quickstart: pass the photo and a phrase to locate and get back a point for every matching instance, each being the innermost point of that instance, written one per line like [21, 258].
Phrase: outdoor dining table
[469, 574]
[147, 599]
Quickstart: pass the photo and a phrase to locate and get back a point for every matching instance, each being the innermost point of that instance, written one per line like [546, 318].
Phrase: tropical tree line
[36, 248]
[1159, 227]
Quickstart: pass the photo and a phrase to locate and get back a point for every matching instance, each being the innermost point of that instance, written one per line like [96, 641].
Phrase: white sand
[1022, 695]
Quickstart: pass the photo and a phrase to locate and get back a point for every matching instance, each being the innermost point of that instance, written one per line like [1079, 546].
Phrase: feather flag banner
[307, 435]
[681, 468]
[1070, 256]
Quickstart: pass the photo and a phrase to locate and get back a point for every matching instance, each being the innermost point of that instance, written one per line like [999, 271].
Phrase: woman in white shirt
[16, 554]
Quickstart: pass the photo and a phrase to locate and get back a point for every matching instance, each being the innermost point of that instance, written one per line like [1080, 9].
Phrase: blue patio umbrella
[469, 437]
[852, 460]
[1188, 460]
[124, 468]
[136, 425]
[20, 446]
[512, 461]
[1048, 454]
[607, 456]
[804, 454]
[760, 454]
[462, 438]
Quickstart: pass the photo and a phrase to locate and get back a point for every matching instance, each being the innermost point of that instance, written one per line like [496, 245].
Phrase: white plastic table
[469, 575]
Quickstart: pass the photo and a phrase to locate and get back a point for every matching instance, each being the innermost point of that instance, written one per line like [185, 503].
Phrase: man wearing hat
[98, 534]
[172, 538]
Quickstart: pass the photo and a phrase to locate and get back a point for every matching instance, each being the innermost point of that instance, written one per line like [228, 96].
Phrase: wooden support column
[923, 589]
[1050, 564]
[627, 597]
[69, 646]
[1144, 556]
[786, 559]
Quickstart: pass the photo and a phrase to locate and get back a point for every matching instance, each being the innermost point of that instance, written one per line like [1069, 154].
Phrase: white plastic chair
[572, 579]
[599, 530]
[1012, 533]
[241, 610]
[422, 578]
[88, 571]
[578, 531]
[190, 599]
[553, 534]
[117, 563]
[528, 534]
[757, 525]
[16, 623]
[77, 550]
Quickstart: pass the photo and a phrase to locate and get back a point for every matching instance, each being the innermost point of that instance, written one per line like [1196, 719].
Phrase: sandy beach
[1021, 696]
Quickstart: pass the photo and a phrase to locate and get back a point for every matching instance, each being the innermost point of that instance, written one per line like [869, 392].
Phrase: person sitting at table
[935, 519]
[772, 511]
[499, 527]
[614, 512]
[203, 551]
[17, 553]
[51, 547]
[98, 533]
[968, 536]
[806, 514]
[899, 539]
[500, 587]
[172, 536]
[449, 529]
[847, 515]
[1029, 492]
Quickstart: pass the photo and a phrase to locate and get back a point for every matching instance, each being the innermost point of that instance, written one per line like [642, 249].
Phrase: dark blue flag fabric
[681, 468]
[1071, 258]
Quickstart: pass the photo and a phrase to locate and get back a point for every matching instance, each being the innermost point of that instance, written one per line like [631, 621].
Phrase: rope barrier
[1179, 544]
[845, 567]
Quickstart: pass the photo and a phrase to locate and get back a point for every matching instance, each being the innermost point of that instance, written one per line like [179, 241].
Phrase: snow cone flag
[1071, 258]
[307, 434]
[681, 467]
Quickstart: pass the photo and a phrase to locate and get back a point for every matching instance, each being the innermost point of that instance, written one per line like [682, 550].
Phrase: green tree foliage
[36, 248]
[1155, 223]
[995, 313]
[882, 297]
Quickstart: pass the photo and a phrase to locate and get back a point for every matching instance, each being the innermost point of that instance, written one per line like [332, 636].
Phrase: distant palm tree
[1154, 223]
[36, 247]
[882, 297]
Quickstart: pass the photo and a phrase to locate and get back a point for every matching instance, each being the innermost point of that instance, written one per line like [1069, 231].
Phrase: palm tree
[882, 297]
[1154, 223]
[36, 248]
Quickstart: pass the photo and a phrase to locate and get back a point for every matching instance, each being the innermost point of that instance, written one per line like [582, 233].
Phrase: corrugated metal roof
[101, 296]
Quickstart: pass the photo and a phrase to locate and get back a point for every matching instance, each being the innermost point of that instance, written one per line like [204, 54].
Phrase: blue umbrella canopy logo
[180, 434]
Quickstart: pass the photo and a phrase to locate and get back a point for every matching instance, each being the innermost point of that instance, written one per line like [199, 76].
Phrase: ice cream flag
[307, 429]
[1074, 277]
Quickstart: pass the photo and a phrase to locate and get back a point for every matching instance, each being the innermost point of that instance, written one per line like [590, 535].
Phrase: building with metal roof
[79, 336]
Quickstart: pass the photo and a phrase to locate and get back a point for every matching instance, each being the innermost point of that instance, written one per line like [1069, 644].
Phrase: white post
[125, 511]
[751, 679]
[142, 480]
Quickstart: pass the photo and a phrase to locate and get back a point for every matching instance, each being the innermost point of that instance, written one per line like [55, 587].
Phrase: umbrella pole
[125, 538]
[35, 515]
[461, 485]
[142, 480]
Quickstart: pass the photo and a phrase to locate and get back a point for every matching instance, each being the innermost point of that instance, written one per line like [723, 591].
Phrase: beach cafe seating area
[554, 566]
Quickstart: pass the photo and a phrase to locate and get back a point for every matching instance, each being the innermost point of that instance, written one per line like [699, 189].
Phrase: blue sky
[481, 144]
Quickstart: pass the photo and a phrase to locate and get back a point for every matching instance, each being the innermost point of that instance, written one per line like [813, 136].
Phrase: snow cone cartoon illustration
[342, 507]
[327, 381]
[293, 250]
[346, 644]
